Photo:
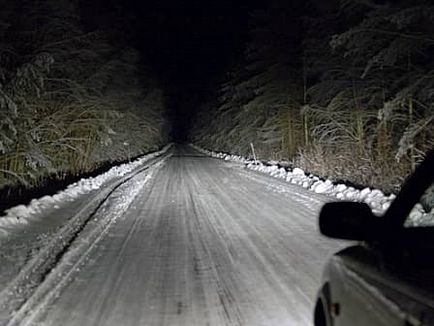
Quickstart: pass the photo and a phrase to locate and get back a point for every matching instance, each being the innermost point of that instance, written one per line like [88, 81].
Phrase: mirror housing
[349, 221]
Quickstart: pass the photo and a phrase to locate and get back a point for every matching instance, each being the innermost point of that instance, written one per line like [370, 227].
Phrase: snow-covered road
[199, 241]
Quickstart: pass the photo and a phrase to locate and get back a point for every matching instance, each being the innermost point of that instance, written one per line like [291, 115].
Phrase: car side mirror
[349, 221]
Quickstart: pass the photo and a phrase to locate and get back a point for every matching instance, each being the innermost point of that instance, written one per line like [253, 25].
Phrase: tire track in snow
[208, 247]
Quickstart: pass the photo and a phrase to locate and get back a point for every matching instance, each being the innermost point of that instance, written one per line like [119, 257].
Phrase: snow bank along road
[189, 241]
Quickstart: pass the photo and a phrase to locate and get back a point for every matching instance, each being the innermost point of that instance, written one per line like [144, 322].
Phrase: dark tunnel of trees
[344, 88]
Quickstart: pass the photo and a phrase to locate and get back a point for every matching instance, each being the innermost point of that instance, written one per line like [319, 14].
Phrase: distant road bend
[204, 242]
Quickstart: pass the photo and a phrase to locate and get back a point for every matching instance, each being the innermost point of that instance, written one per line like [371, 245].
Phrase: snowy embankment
[375, 198]
[21, 214]
[60, 231]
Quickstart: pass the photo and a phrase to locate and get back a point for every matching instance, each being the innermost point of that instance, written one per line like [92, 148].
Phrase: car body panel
[372, 293]
[387, 279]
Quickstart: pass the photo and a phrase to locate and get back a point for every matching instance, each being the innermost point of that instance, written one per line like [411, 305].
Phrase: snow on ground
[21, 214]
[200, 244]
[375, 198]
[33, 300]
[36, 238]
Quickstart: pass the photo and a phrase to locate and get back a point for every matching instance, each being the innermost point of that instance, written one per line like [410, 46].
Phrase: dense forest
[72, 96]
[342, 88]
[345, 90]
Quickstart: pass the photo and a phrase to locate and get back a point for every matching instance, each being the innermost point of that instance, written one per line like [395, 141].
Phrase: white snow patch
[298, 171]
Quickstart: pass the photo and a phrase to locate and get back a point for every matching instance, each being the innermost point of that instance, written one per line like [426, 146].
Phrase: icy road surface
[203, 242]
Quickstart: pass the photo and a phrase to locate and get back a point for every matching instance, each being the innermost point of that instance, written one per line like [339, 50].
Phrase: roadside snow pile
[375, 198]
[419, 217]
[21, 213]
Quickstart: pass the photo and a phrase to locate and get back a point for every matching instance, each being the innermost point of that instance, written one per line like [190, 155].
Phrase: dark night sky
[190, 44]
